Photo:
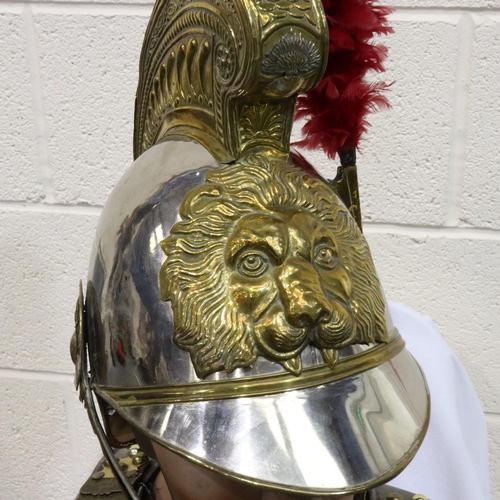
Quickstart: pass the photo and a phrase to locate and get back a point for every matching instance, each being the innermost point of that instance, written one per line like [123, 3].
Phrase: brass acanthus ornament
[265, 261]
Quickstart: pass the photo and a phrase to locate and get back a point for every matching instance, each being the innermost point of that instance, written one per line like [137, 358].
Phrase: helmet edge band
[258, 386]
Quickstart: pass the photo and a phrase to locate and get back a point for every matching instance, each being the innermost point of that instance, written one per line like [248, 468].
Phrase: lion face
[287, 277]
[265, 262]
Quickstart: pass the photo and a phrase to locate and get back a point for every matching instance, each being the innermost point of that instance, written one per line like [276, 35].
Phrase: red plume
[337, 108]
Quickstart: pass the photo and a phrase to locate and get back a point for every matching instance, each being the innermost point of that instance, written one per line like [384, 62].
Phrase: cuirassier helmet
[232, 311]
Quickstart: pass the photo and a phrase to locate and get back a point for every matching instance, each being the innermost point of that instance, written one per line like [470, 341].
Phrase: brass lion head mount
[227, 72]
[266, 261]
[287, 277]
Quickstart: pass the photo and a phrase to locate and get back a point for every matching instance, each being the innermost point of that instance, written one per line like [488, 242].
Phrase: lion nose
[303, 298]
[308, 309]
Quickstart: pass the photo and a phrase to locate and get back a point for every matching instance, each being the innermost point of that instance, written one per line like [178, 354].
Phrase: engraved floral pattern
[291, 56]
[225, 62]
[261, 121]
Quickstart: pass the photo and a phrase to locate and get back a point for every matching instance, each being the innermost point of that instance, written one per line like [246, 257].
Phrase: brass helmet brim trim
[256, 386]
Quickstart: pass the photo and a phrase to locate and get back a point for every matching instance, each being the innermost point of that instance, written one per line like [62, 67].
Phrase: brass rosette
[77, 345]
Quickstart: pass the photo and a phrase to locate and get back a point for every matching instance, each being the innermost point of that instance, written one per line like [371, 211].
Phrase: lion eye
[325, 257]
[252, 264]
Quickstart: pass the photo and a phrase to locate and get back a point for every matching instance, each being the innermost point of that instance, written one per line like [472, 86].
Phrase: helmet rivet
[137, 455]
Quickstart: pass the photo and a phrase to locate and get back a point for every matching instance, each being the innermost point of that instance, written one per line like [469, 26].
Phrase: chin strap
[79, 353]
[106, 448]
[99, 430]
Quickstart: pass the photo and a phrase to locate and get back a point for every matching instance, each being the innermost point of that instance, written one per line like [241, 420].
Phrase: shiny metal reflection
[342, 436]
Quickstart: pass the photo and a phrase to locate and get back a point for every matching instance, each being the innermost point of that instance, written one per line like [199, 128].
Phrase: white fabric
[452, 463]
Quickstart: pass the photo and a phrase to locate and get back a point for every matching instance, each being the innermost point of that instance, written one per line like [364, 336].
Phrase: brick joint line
[492, 417]
[55, 208]
[24, 374]
[73, 434]
[458, 140]
[437, 9]
[465, 233]
[81, 8]
[42, 139]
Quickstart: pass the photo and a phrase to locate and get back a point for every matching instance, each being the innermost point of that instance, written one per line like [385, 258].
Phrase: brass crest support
[226, 72]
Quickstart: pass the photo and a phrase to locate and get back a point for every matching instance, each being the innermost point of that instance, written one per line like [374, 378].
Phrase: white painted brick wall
[430, 191]
[18, 162]
[88, 70]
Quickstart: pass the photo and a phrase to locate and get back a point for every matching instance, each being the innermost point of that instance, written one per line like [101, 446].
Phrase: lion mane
[194, 277]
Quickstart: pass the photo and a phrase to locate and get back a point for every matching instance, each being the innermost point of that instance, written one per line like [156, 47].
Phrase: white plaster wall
[430, 190]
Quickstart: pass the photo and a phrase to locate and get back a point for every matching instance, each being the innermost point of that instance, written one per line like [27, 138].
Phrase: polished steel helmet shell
[325, 438]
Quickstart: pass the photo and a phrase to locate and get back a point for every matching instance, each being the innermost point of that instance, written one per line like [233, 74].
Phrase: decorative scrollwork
[181, 81]
[188, 45]
[164, 18]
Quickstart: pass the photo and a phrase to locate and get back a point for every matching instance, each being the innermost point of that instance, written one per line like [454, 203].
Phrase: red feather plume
[337, 108]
